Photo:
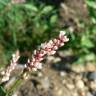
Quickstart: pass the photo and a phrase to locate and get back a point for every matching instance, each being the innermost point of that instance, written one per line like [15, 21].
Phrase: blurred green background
[25, 25]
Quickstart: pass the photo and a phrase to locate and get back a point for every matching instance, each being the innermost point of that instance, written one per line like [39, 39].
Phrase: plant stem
[15, 85]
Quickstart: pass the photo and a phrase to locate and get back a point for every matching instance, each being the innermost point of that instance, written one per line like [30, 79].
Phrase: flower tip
[62, 32]
[66, 39]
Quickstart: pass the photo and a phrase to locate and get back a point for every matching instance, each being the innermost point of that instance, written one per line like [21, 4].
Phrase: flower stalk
[47, 48]
[10, 67]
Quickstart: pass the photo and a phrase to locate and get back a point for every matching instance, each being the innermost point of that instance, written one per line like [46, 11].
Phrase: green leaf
[93, 19]
[53, 19]
[91, 3]
[86, 42]
[2, 91]
[31, 7]
[47, 9]
[80, 61]
[90, 57]
[4, 2]
[94, 30]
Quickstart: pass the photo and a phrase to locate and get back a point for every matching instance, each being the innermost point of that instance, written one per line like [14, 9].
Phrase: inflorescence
[47, 48]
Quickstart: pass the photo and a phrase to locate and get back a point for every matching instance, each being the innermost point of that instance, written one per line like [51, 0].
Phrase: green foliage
[83, 43]
[25, 25]
[92, 9]
[3, 92]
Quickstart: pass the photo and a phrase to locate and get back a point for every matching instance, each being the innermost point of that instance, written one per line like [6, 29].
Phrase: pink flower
[6, 73]
[47, 48]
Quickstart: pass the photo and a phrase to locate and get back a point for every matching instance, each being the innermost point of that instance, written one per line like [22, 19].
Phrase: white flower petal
[62, 33]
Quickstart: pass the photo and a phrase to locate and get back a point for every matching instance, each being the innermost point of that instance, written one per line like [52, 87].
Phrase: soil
[71, 12]
[59, 79]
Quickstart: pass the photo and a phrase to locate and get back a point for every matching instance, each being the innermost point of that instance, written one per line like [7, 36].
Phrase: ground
[60, 79]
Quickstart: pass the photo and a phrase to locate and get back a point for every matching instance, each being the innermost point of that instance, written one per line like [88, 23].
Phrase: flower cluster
[10, 67]
[47, 48]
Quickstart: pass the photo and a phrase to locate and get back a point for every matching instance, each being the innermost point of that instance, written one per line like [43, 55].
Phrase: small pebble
[78, 68]
[90, 67]
[80, 84]
[93, 85]
[91, 75]
[71, 29]
[64, 81]
[62, 74]
[60, 92]
[57, 59]
[89, 94]
[70, 86]
[40, 74]
[45, 83]
[75, 94]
